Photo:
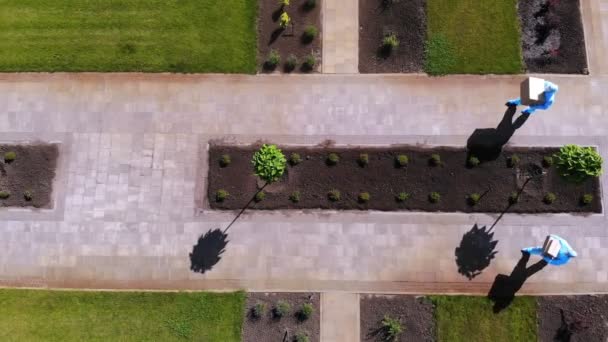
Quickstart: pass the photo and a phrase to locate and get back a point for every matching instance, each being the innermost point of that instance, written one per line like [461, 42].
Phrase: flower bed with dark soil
[384, 181]
[414, 313]
[553, 39]
[291, 40]
[27, 181]
[404, 18]
[268, 327]
[585, 318]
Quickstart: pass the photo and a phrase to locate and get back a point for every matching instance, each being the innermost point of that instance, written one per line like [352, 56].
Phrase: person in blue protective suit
[549, 95]
[565, 252]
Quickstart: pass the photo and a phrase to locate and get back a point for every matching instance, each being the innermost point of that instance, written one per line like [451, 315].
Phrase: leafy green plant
[295, 197]
[269, 163]
[10, 156]
[332, 159]
[473, 161]
[549, 198]
[401, 160]
[434, 197]
[27, 195]
[260, 196]
[274, 58]
[291, 63]
[281, 309]
[390, 42]
[547, 161]
[309, 62]
[435, 160]
[301, 337]
[334, 195]
[363, 159]
[284, 20]
[513, 197]
[4, 194]
[295, 159]
[576, 163]
[221, 195]
[225, 160]
[305, 311]
[258, 310]
[513, 160]
[402, 197]
[391, 328]
[474, 198]
[364, 197]
[284, 2]
[310, 33]
[587, 199]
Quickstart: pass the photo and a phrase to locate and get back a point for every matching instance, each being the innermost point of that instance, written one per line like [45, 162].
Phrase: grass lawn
[36, 315]
[473, 37]
[471, 319]
[128, 35]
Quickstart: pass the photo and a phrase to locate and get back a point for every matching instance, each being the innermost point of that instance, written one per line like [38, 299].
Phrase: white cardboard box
[551, 247]
[532, 91]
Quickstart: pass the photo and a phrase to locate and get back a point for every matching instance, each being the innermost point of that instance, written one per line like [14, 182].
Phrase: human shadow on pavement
[476, 251]
[208, 251]
[486, 143]
[505, 287]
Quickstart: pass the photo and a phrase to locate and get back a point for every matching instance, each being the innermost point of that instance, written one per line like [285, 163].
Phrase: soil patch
[553, 39]
[29, 177]
[270, 328]
[379, 18]
[414, 313]
[589, 313]
[289, 41]
[384, 181]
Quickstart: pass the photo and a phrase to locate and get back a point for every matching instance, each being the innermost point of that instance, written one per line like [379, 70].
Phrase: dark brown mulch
[553, 40]
[288, 41]
[268, 328]
[415, 314]
[383, 180]
[33, 170]
[589, 313]
[404, 18]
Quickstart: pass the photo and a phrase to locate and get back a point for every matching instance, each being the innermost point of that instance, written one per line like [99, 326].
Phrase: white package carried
[551, 247]
[532, 91]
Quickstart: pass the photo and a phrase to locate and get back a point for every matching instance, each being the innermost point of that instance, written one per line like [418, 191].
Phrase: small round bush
[390, 42]
[309, 62]
[363, 159]
[291, 63]
[310, 4]
[281, 309]
[295, 197]
[10, 156]
[435, 160]
[260, 196]
[306, 311]
[547, 161]
[269, 163]
[434, 197]
[549, 198]
[513, 161]
[332, 159]
[391, 328]
[333, 195]
[27, 195]
[221, 195]
[576, 163]
[401, 160]
[4, 194]
[225, 160]
[473, 198]
[310, 32]
[364, 197]
[587, 199]
[274, 58]
[258, 310]
[402, 197]
[284, 20]
[301, 337]
[473, 161]
[295, 159]
[514, 197]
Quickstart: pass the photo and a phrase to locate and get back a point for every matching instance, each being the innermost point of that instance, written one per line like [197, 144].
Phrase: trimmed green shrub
[401, 160]
[473, 161]
[295, 197]
[284, 20]
[10, 156]
[27, 195]
[390, 42]
[295, 159]
[225, 160]
[309, 62]
[269, 163]
[291, 63]
[402, 197]
[281, 309]
[221, 195]
[473, 198]
[391, 328]
[301, 337]
[332, 159]
[514, 197]
[513, 161]
[434, 197]
[549, 198]
[260, 196]
[310, 33]
[258, 310]
[587, 199]
[364, 197]
[305, 311]
[363, 159]
[435, 160]
[4, 194]
[576, 163]
[274, 58]
[333, 195]
[547, 161]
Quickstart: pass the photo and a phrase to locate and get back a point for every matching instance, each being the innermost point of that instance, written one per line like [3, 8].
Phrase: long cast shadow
[505, 287]
[476, 251]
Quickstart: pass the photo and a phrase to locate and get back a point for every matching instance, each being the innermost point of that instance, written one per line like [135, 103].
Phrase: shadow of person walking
[208, 251]
[475, 252]
[486, 143]
[505, 287]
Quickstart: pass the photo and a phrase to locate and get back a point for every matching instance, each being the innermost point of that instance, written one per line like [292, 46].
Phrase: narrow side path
[339, 317]
[340, 36]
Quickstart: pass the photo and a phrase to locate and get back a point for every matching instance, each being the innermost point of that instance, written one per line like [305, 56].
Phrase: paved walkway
[339, 317]
[340, 36]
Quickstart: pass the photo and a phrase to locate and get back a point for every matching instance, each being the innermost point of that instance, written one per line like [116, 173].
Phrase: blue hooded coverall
[565, 252]
[550, 91]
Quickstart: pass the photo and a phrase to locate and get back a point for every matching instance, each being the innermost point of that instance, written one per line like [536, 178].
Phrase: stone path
[340, 36]
[339, 317]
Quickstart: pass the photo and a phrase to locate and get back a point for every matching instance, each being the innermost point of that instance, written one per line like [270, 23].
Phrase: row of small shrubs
[282, 309]
[274, 59]
[10, 157]
[5, 194]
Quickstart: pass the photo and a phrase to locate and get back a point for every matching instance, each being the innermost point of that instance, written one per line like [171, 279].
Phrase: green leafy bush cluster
[221, 195]
[549, 198]
[401, 160]
[402, 197]
[4, 194]
[474, 198]
[310, 33]
[274, 58]
[295, 197]
[435, 160]
[305, 311]
[576, 163]
[295, 159]
[269, 163]
[434, 197]
[260, 196]
[587, 199]
[332, 159]
[363, 159]
[391, 328]
[10, 156]
[225, 160]
[301, 337]
[284, 20]
[547, 161]
[364, 197]
[258, 310]
[281, 309]
[513, 160]
[27, 195]
[334, 195]
[473, 161]
[291, 63]
[513, 197]
[390, 42]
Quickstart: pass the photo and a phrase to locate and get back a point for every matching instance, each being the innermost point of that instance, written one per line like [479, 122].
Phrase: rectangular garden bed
[26, 175]
[297, 46]
[385, 182]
